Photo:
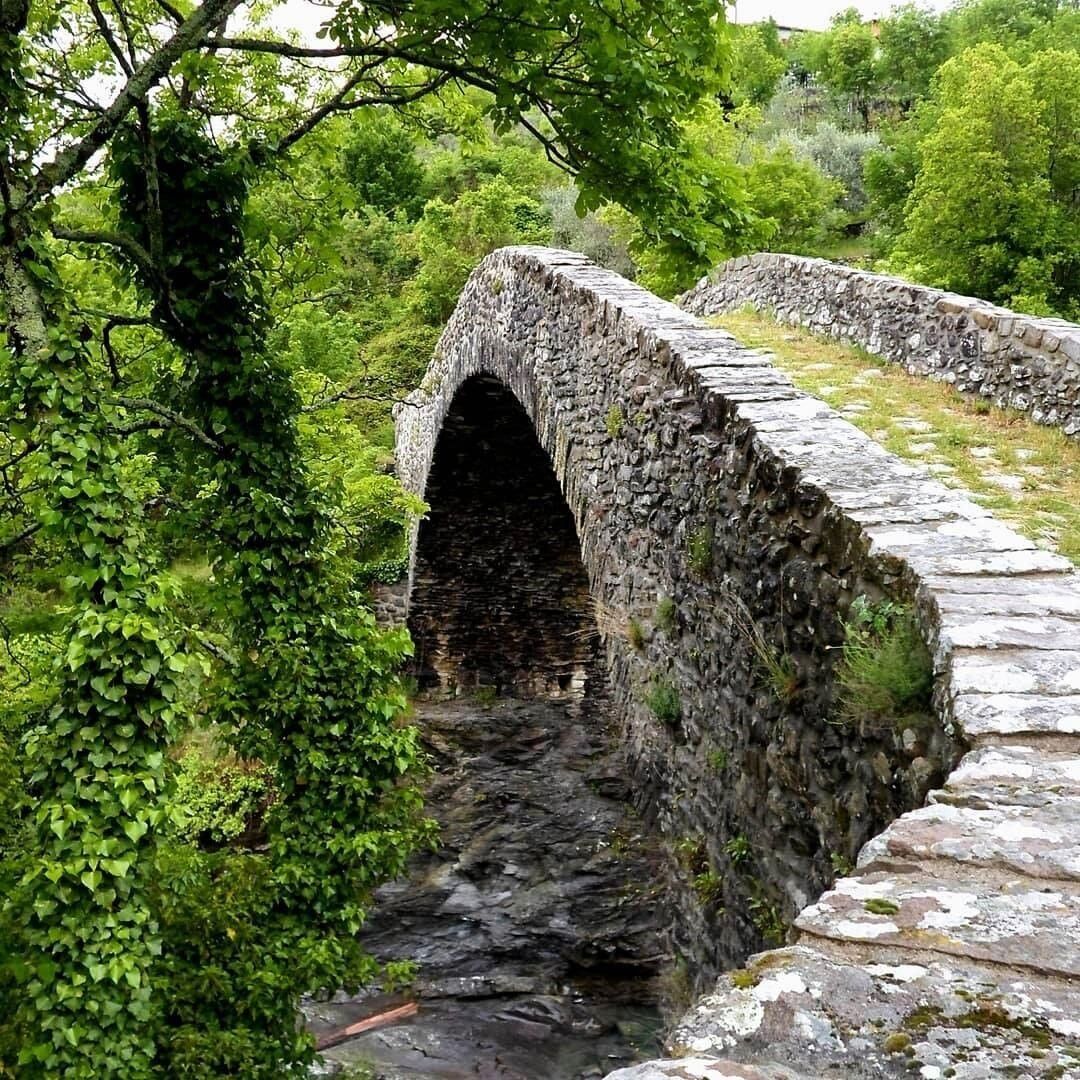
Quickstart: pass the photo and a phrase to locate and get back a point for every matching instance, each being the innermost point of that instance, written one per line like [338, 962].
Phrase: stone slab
[1058, 595]
[1015, 922]
[1009, 775]
[1040, 842]
[696, 1068]
[885, 1018]
[986, 716]
[991, 631]
[1015, 671]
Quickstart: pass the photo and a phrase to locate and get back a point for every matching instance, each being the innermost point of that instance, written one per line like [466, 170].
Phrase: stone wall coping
[1027, 362]
[979, 887]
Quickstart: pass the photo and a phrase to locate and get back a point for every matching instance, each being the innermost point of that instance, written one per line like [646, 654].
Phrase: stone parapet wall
[1021, 361]
[696, 473]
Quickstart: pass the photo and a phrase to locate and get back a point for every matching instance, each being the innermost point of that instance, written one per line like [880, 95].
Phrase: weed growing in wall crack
[675, 987]
[663, 700]
[777, 669]
[708, 886]
[664, 616]
[615, 421]
[885, 674]
[485, 695]
[701, 550]
[766, 917]
[841, 864]
[718, 760]
[691, 854]
[781, 674]
[737, 849]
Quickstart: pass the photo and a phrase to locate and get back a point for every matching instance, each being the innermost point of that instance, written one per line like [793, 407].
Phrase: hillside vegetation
[225, 253]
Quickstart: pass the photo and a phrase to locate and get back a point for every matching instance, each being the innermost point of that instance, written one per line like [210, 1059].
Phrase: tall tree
[993, 208]
[130, 134]
[851, 66]
[915, 42]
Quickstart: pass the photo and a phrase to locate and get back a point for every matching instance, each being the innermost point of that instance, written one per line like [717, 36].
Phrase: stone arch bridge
[627, 502]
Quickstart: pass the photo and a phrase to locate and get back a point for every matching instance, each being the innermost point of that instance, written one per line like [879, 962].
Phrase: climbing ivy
[80, 916]
[312, 692]
[96, 759]
[133, 949]
[135, 954]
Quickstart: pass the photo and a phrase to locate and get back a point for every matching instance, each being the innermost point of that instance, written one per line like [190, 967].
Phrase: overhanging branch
[173, 417]
[190, 34]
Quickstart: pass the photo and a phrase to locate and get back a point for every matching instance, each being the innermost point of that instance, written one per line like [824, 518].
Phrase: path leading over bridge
[621, 494]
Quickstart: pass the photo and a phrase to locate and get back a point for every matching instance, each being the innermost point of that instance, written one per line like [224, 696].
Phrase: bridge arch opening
[500, 598]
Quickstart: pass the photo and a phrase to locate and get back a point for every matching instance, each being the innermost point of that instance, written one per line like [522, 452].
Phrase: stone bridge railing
[1022, 361]
[710, 497]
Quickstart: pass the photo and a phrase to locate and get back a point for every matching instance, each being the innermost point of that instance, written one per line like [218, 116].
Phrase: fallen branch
[391, 1016]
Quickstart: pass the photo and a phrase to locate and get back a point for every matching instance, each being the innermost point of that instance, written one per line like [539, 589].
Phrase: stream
[537, 927]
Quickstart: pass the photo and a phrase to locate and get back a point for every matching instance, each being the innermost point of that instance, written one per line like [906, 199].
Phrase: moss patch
[877, 906]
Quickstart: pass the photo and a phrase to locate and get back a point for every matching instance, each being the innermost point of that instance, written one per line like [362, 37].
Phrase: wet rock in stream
[538, 926]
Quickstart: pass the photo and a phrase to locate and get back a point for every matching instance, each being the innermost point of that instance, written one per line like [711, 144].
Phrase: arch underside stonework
[502, 599]
[689, 505]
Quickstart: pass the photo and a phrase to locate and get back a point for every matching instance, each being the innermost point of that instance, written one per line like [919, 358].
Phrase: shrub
[635, 634]
[591, 235]
[663, 700]
[664, 616]
[886, 673]
[841, 156]
[25, 693]
[794, 196]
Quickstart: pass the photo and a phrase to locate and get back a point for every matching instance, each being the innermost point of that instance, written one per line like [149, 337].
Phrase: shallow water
[542, 1037]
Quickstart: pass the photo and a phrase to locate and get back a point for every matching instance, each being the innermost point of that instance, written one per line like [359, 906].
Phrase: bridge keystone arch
[717, 511]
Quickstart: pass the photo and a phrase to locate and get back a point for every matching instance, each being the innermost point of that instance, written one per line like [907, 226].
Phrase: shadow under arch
[500, 597]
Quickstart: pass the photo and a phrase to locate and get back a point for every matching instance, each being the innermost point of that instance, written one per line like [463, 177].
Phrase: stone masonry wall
[1028, 363]
[500, 596]
[710, 496]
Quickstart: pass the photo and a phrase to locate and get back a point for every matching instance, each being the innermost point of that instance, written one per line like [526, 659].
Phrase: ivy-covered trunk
[312, 691]
[133, 953]
[81, 917]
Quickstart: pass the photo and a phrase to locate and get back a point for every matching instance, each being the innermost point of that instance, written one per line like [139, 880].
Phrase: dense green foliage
[992, 210]
[885, 676]
[213, 290]
[973, 186]
[223, 257]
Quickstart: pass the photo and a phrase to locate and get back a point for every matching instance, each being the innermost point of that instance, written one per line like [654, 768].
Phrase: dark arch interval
[500, 596]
